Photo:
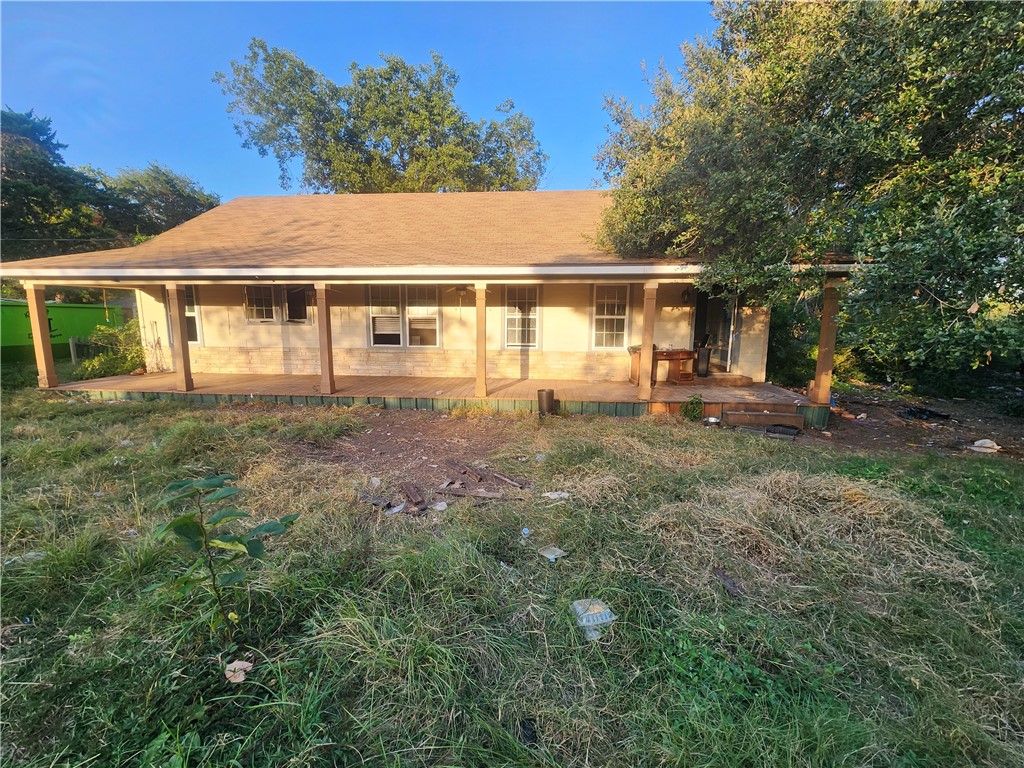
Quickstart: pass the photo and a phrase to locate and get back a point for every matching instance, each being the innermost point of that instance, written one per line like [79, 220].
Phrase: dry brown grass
[788, 529]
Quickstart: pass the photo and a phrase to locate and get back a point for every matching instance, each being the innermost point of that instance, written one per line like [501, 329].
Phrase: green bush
[123, 354]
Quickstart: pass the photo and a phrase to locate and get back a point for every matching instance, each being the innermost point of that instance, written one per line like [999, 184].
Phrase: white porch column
[481, 339]
[323, 321]
[647, 340]
[40, 325]
[820, 390]
[179, 331]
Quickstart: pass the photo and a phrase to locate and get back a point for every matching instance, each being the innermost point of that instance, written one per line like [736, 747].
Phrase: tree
[49, 208]
[394, 128]
[890, 131]
[163, 199]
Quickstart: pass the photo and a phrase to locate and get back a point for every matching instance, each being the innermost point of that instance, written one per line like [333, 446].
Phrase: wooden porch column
[481, 339]
[179, 331]
[647, 340]
[820, 390]
[40, 326]
[323, 322]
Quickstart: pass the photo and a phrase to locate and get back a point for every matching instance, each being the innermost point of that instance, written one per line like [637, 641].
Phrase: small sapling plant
[219, 551]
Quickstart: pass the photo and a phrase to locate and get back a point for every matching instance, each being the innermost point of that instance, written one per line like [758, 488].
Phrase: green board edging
[570, 407]
[815, 416]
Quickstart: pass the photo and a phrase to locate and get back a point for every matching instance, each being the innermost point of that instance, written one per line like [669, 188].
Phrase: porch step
[723, 380]
[755, 407]
[762, 419]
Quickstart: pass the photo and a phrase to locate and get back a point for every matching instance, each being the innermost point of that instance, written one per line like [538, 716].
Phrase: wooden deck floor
[436, 388]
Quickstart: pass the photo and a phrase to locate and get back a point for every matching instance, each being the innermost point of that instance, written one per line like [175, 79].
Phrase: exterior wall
[750, 348]
[153, 327]
[230, 344]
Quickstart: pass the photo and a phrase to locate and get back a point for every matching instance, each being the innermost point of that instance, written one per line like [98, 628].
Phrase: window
[385, 315]
[286, 304]
[521, 316]
[191, 314]
[417, 317]
[421, 315]
[259, 303]
[296, 303]
[611, 304]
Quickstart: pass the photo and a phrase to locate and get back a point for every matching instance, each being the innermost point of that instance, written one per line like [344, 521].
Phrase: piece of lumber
[509, 480]
[479, 493]
[415, 495]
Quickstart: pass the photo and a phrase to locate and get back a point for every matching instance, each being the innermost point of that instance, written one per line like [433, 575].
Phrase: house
[480, 287]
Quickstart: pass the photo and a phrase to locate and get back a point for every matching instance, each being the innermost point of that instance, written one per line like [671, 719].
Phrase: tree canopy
[393, 128]
[888, 131]
[162, 198]
[50, 208]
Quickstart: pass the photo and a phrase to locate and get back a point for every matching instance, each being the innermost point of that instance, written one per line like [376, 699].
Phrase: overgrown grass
[880, 622]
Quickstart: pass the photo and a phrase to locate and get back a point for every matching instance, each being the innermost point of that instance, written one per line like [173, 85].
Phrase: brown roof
[500, 229]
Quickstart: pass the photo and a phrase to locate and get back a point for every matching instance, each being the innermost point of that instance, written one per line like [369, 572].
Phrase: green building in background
[66, 321]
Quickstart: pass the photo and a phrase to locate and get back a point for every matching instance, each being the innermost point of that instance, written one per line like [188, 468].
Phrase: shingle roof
[388, 230]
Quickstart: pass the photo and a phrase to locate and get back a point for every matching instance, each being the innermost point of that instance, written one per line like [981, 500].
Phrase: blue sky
[129, 83]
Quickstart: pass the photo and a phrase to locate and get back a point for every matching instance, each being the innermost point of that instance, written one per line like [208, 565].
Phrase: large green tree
[47, 207]
[162, 198]
[50, 208]
[889, 131]
[393, 128]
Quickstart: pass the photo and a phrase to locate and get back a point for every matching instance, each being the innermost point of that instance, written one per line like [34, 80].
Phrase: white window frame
[247, 292]
[403, 315]
[278, 304]
[307, 295]
[408, 314]
[194, 312]
[372, 315]
[626, 316]
[509, 290]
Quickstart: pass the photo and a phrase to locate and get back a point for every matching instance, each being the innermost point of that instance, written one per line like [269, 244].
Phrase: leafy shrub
[693, 409]
[123, 354]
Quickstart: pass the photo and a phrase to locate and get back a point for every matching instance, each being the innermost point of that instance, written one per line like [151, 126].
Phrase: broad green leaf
[255, 547]
[235, 546]
[179, 485]
[269, 528]
[221, 493]
[215, 481]
[289, 519]
[178, 497]
[188, 528]
[231, 578]
[226, 515]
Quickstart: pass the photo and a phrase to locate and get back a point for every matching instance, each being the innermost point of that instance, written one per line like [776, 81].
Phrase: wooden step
[761, 419]
[723, 380]
[761, 407]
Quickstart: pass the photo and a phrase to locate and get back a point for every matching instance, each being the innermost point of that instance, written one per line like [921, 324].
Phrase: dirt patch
[885, 425]
[413, 446]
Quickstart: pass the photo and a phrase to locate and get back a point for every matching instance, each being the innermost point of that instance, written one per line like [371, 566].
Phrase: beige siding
[750, 357]
[231, 344]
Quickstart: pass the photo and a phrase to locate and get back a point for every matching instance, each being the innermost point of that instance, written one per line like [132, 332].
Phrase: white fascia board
[320, 273]
[163, 274]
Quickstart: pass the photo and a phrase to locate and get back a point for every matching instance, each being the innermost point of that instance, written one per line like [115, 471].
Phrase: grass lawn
[880, 620]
